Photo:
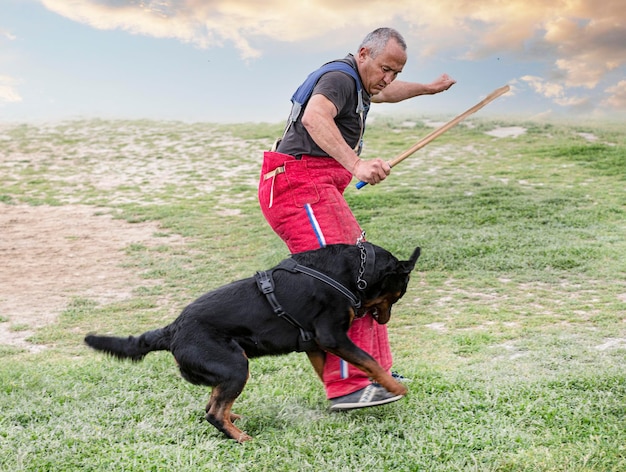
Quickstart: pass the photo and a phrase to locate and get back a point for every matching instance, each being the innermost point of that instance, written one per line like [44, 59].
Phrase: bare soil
[50, 255]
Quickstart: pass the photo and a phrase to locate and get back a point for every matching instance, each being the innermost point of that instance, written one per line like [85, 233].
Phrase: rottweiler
[305, 303]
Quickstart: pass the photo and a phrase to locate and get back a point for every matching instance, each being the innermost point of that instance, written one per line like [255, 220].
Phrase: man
[303, 180]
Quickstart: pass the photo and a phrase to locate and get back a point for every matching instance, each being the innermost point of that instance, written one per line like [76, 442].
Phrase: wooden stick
[438, 132]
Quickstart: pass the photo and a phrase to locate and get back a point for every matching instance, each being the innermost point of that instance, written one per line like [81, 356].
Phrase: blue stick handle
[360, 185]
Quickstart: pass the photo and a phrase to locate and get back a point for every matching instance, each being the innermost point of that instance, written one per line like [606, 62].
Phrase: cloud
[587, 48]
[559, 94]
[555, 92]
[8, 92]
[579, 42]
[574, 31]
[547, 89]
[214, 23]
[204, 24]
[617, 99]
[7, 35]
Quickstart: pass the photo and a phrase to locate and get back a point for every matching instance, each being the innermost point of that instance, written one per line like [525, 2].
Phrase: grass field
[513, 330]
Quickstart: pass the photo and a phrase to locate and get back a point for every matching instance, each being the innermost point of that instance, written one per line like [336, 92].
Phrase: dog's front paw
[243, 437]
[397, 388]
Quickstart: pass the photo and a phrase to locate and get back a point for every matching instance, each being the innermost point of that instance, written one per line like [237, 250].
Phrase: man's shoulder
[337, 78]
[341, 73]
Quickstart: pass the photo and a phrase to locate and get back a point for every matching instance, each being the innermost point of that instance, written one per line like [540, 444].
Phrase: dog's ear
[407, 266]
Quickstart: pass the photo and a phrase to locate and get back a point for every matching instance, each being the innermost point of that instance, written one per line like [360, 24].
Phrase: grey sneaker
[372, 395]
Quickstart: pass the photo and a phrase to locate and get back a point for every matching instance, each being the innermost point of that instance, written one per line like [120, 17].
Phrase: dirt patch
[50, 255]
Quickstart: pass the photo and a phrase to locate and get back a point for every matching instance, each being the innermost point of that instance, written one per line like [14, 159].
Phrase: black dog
[306, 303]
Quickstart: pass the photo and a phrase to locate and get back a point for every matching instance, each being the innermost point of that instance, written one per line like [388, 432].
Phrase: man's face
[378, 72]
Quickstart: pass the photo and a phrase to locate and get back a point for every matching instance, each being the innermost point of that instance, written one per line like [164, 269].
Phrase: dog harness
[265, 282]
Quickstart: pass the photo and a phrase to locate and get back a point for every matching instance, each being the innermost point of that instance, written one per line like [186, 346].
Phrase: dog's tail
[134, 348]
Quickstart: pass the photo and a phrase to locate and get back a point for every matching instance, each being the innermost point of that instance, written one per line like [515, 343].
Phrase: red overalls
[303, 203]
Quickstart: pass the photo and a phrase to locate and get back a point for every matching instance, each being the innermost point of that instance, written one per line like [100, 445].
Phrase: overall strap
[303, 93]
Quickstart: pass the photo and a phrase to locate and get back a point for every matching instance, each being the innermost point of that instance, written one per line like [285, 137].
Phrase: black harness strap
[292, 266]
[265, 282]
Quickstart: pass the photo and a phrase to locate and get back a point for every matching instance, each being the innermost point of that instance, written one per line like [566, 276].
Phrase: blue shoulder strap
[305, 90]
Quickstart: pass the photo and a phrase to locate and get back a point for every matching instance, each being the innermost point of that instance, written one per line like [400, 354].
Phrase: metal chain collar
[361, 284]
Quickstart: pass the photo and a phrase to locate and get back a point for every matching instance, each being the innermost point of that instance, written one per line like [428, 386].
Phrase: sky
[233, 61]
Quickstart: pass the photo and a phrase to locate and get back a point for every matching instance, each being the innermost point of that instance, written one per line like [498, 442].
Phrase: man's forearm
[325, 133]
[398, 90]
[318, 119]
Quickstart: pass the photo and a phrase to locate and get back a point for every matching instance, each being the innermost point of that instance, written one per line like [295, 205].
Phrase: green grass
[513, 329]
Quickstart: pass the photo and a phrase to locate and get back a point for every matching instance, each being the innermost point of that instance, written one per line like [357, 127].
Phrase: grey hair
[376, 41]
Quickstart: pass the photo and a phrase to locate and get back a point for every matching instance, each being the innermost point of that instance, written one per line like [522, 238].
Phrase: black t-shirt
[340, 89]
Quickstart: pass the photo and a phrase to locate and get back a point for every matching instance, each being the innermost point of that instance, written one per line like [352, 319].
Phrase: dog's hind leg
[233, 416]
[219, 413]
[223, 366]
[224, 394]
